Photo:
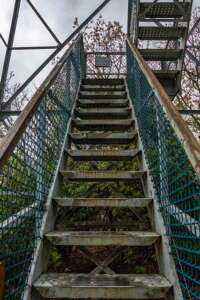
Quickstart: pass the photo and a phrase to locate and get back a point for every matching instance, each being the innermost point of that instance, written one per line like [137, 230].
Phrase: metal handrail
[9, 142]
[185, 136]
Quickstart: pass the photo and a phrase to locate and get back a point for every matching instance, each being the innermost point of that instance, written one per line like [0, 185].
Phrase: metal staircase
[87, 129]
[159, 30]
[99, 182]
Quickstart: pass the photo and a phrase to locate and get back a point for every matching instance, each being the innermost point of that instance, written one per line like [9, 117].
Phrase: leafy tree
[104, 36]
[17, 105]
[188, 98]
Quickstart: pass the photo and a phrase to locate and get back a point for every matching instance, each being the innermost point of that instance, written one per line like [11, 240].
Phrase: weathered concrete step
[97, 155]
[102, 113]
[113, 125]
[99, 88]
[106, 82]
[102, 95]
[102, 202]
[102, 238]
[103, 138]
[102, 286]
[102, 175]
[103, 103]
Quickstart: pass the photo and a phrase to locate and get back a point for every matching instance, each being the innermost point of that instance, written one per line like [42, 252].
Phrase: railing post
[162, 159]
[132, 20]
[40, 184]
[67, 70]
[82, 58]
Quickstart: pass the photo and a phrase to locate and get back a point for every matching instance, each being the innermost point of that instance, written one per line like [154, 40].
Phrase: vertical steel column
[9, 49]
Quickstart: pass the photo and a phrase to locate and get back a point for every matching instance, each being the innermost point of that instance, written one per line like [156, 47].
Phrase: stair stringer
[166, 263]
[40, 257]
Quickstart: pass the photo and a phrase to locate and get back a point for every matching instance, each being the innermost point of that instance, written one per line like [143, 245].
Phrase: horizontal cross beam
[34, 47]
[53, 55]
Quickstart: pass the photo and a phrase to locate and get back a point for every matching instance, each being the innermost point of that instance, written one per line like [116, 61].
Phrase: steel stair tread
[168, 74]
[102, 94]
[107, 81]
[87, 88]
[160, 33]
[108, 124]
[102, 175]
[102, 238]
[102, 286]
[163, 9]
[117, 103]
[103, 138]
[169, 80]
[161, 54]
[102, 112]
[102, 202]
[98, 155]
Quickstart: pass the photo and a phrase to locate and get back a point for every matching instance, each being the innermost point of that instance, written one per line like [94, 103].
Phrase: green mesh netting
[175, 181]
[26, 177]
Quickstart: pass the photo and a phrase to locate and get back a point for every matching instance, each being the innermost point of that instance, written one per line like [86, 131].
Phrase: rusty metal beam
[187, 139]
[2, 281]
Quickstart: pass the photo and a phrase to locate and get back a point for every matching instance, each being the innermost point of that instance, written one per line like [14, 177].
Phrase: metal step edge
[103, 138]
[102, 202]
[102, 286]
[103, 238]
[91, 176]
[97, 155]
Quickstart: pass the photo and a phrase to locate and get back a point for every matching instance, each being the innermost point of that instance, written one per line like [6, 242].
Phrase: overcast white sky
[60, 15]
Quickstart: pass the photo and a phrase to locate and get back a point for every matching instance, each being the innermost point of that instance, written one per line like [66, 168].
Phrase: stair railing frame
[15, 135]
[187, 139]
[5, 106]
[177, 199]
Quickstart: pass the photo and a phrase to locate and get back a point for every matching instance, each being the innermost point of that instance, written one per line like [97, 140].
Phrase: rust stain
[2, 281]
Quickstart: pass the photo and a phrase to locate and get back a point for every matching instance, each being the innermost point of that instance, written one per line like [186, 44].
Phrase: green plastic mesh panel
[174, 179]
[26, 177]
